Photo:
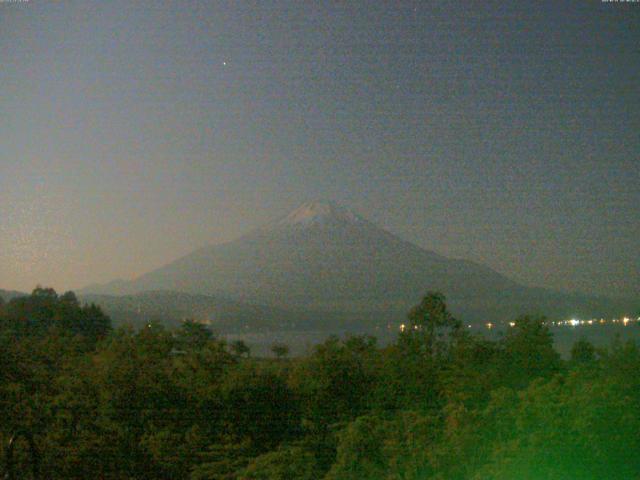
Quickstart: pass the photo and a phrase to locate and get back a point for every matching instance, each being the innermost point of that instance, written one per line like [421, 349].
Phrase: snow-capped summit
[318, 213]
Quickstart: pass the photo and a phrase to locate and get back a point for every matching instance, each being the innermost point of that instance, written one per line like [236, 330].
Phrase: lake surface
[302, 343]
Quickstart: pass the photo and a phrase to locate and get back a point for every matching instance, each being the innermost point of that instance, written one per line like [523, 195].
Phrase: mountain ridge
[324, 257]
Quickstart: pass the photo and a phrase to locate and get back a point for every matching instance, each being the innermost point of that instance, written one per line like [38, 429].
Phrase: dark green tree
[285, 463]
[582, 352]
[280, 350]
[430, 327]
[192, 335]
[240, 348]
[258, 405]
[528, 352]
[335, 383]
[223, 460]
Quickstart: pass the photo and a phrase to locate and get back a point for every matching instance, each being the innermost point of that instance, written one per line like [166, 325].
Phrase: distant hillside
[223, 315]
[323, 257]
[7, 295]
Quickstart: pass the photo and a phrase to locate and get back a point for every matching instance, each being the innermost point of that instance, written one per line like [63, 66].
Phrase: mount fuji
[323, 257]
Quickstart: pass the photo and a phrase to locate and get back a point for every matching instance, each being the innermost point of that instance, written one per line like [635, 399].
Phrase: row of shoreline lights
[561, 323]
[577, 323]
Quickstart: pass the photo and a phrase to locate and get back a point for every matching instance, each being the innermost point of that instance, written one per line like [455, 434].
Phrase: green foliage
[431, 326]
[334, 383]
[583, 352]
[240, 348]
[280, 350]
[192, 335]
[285, 463]
[569, 427]
[438, 404]
[36, 314]
[223, 460]
[407, 380]
[258, 405]
[528, 352]
[360, 450]
[475, 368]
[392, 447]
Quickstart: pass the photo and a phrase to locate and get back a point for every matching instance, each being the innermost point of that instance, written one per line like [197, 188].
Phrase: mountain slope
[321, 256]
[325, 257]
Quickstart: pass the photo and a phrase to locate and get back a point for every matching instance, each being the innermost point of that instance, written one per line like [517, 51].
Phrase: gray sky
[502, 132]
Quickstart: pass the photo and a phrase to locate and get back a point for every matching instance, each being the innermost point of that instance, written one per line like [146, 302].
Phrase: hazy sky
[505, 132]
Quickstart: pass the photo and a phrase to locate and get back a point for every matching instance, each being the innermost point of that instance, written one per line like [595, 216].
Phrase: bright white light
[573, 322]
[512, 324]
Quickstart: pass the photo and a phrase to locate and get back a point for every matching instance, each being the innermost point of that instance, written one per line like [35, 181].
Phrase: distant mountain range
[325, 259]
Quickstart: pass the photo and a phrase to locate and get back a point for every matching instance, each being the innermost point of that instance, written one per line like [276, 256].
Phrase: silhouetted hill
[7, 295]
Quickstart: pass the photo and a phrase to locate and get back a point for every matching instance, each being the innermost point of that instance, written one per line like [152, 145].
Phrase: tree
[528, 352]
[69, 298]
[258, 404]
[430, 325]
[397, 446]
[582, 352]
[360, 451]
[286, 463]
[240, 348]
[336, 382]
[138, 399]
[473, 371]
[579, 425]
[223, 460]
[35, 314]
[192, 335]
[95, 325]
[280, 350]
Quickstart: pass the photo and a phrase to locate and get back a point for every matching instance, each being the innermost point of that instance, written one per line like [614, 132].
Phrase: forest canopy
[438, 403]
